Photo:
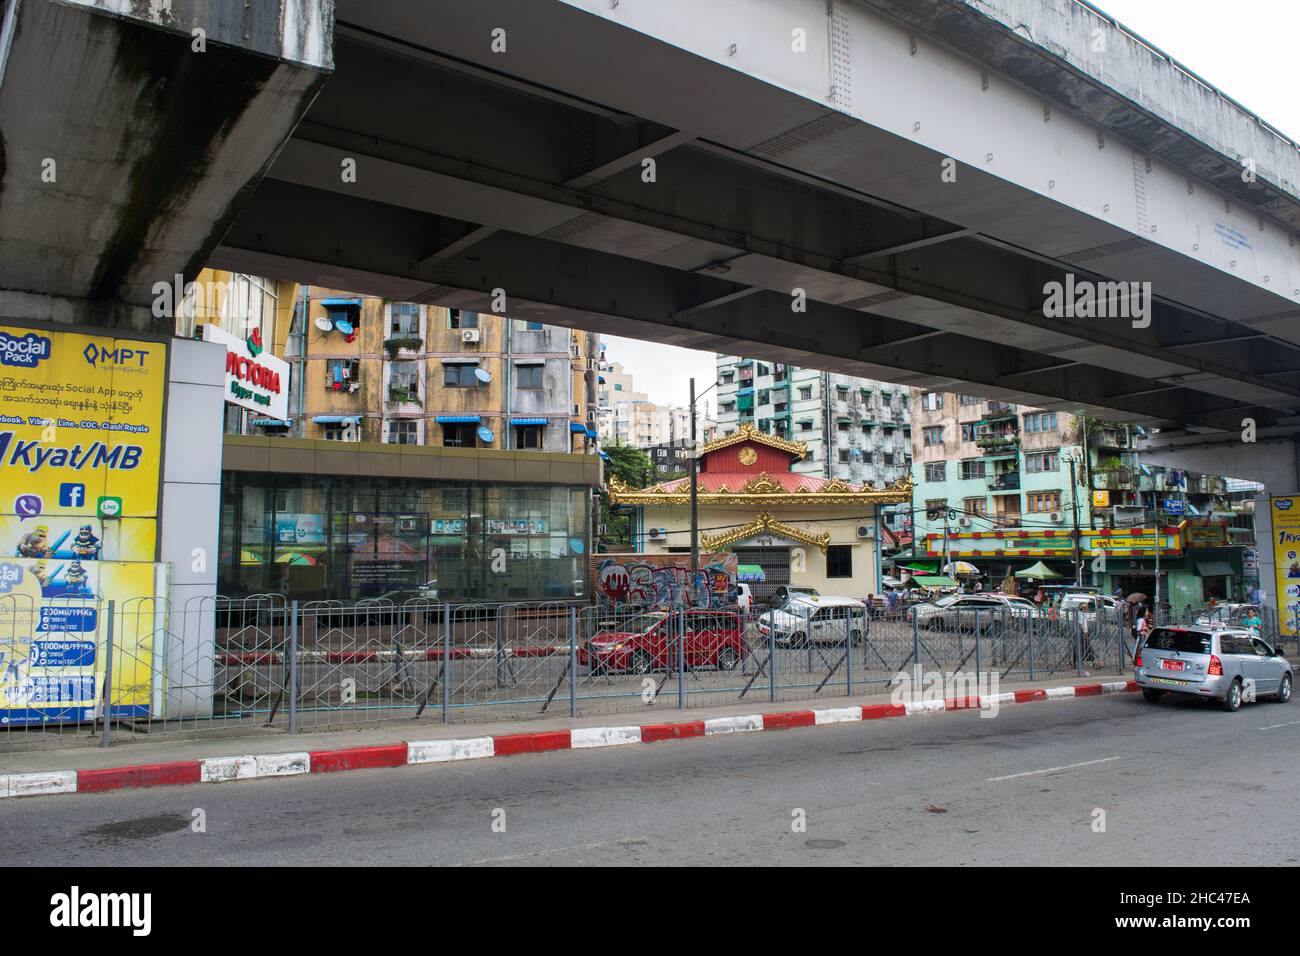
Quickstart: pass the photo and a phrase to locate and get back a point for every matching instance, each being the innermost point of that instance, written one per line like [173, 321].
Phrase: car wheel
[640, 663]
[1232, 702]
[727, 659]
[1152, 696]
[1283, 695]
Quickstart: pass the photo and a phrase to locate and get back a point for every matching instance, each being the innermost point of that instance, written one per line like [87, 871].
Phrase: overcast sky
[1247, 49]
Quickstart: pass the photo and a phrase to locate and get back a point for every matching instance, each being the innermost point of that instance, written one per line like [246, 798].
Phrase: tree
[632, 467]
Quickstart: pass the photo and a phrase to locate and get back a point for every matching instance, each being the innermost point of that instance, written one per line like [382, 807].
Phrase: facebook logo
[71, 495]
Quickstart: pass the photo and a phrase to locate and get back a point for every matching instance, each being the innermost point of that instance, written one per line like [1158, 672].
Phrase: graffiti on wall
[663, 580]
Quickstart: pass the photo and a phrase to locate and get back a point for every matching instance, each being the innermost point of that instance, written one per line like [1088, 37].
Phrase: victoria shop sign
[254, 380]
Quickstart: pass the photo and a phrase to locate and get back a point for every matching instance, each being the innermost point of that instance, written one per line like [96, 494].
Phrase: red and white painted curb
[224, 769]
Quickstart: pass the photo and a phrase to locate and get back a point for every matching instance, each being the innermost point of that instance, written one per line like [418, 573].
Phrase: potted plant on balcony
[409, 343]
[399, 394]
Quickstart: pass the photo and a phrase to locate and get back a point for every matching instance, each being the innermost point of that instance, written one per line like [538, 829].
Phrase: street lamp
[1074, 459]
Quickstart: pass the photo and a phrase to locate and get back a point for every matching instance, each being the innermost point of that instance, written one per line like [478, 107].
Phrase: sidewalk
[158, 762]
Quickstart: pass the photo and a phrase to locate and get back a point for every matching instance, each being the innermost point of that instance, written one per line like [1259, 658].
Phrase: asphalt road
[953, 788]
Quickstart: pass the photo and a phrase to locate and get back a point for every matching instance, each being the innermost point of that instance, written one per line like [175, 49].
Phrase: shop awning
[270, 423]
[337, 419]
[528, 421]
[1214, 569]
[577, 428]
[934, 581]
[750, 572]
[458, 419]
[341, 303]
[591, 433]
[917, 567]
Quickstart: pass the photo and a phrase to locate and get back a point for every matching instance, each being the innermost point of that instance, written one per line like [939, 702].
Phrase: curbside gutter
[227, 769]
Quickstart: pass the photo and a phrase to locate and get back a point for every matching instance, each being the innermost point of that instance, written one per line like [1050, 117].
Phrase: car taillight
[1216, 667]
[1137, 661]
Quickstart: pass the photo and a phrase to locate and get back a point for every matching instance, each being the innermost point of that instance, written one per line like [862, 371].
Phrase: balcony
[1115, 479]
[1007, 481]
[404, 395]
[1000, 410]
[1006, 442]
[400, 346]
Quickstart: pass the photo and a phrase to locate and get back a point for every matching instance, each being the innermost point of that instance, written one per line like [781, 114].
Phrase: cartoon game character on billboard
[76, 577]
[34, 544]
[41, 572]
[86, 545]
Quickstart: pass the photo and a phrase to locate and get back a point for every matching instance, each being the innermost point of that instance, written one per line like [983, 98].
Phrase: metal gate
[775, 563]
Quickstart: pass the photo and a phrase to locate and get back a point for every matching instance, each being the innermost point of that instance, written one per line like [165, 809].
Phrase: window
[1042, 501]
[844, 455]
[1041, 422]
[936, 508]
[805, 392]
[459, 374]
[839, 561]
[336, 432]
[403, 433]
[969, 399]
[528, 376]
[932, 435]
[970, 431]
[460, 319]
[842, 426]
[936, 470]
[404, 382]
[340, 374]
[405, 322]
[973, 468]
[975, 506]
[932, 401]
[459, 435]
[528, 436]
[726, 378]
[726, 406]
[1040, 462]
[842, 392]
[805, 426]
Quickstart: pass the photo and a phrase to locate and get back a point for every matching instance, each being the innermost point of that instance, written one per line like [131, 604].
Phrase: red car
[647, 642]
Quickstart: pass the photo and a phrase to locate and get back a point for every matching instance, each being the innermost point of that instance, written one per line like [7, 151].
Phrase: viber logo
[96, 355]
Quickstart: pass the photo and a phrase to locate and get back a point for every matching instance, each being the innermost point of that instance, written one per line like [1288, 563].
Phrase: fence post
[1078, 643]
[977, 648]
[1031, 646]
[771, 658]
[446, 663]
[916, 655]
[848, 646]
[293, 667]
[108, 675]
[681, 658]
[573, 662]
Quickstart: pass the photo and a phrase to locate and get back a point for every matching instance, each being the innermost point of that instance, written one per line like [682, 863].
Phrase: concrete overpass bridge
[920, 170]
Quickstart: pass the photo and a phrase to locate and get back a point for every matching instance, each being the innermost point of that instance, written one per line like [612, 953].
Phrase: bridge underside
[526, 171]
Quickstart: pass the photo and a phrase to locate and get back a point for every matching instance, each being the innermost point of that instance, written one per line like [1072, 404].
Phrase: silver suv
[1225, 664]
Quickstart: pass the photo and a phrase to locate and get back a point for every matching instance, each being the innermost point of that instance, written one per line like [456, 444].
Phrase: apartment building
[857, 430]
[370, 369]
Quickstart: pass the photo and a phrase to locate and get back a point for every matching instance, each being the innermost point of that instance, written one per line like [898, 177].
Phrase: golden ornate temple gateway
[785, 528]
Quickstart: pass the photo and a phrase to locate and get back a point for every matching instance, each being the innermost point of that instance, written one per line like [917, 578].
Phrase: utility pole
[1074, 506]
[695, 505]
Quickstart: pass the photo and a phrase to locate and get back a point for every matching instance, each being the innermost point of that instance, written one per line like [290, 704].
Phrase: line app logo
[75, 909]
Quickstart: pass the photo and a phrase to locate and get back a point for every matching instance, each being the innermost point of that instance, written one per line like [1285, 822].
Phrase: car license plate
[1166, 680]
[1172, 665]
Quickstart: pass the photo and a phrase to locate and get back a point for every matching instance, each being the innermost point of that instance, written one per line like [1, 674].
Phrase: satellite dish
[483, 375]
[485, 434]
[324, 324]
[344, 326]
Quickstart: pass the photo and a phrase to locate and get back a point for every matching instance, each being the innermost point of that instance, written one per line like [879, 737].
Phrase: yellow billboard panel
[81, 420]
[1285, 512]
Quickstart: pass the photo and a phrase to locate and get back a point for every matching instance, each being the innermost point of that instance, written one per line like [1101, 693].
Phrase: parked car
[744, 598]
[788, 592]
[648, 641]
[961, 612]
[1089, 609]
[1213, 663]
[1228, 615]
[816, 619]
